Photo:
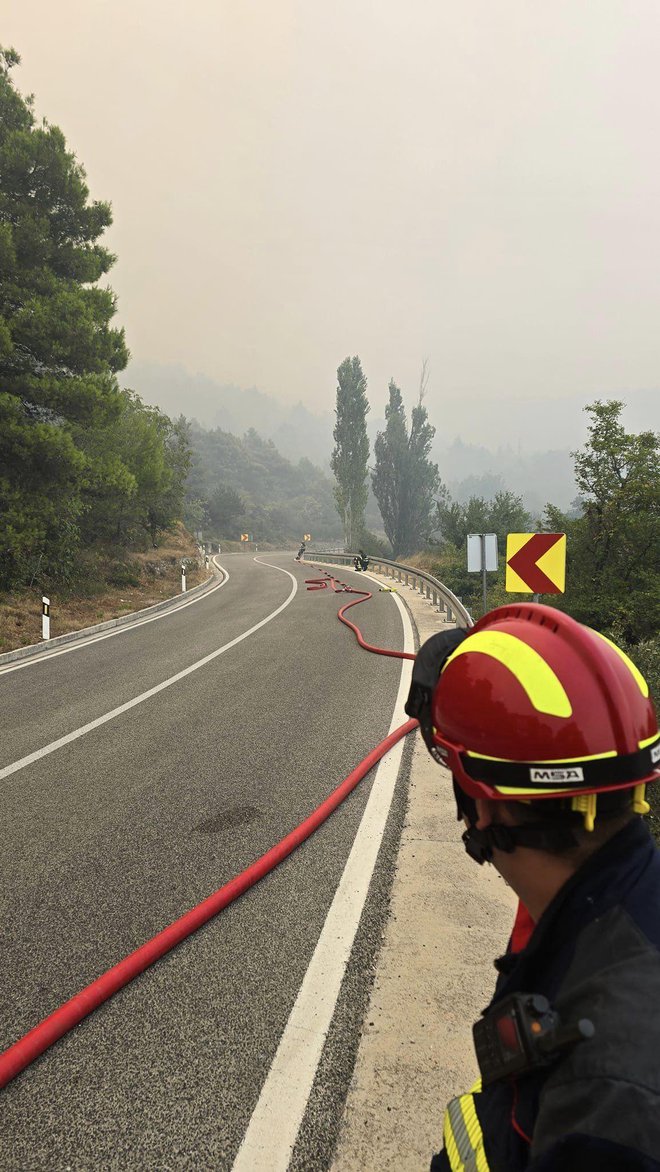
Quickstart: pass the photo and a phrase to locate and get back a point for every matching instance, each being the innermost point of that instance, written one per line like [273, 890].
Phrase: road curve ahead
[139, 773]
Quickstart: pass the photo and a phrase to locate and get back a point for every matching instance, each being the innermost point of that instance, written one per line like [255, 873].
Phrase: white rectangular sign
[474, 546]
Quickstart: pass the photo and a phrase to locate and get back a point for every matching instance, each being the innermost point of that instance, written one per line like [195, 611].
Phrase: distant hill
[480, 447]
[295, 431]
[538, 477]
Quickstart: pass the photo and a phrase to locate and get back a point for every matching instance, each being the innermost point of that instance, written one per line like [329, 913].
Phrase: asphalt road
[111, 836]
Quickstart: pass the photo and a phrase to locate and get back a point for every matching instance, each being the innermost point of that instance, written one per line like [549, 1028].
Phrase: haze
[294, 181]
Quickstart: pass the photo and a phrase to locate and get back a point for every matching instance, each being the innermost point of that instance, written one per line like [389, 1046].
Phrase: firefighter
[551, 737]
[301, 551]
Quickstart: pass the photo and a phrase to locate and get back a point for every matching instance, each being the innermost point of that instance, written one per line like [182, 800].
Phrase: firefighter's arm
[596, 1124]
[587, 1153]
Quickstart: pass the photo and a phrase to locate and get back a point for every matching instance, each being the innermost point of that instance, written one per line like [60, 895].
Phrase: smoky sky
[293, 181]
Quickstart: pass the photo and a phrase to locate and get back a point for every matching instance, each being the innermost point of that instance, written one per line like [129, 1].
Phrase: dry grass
[158, 572]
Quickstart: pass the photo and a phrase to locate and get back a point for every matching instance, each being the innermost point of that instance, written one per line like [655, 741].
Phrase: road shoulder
[448, 920]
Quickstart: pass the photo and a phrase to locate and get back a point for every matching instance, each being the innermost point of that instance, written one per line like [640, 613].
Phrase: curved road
[111, 835]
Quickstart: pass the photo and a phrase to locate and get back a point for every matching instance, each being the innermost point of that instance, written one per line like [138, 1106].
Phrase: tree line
[244, 484]
[612, 534]
[613, 528]
[82, 461]
[404, 479]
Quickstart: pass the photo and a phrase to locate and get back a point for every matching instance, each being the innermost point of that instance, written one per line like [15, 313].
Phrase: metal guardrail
[437, 593]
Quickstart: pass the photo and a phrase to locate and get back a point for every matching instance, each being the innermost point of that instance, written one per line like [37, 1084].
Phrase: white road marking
[81, 644]
[273, 1128]
[180, 675]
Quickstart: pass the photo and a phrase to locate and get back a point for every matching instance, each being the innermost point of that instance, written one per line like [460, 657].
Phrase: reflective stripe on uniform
[464, 1141]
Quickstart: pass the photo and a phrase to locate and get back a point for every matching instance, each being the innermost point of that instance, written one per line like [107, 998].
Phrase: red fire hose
[19, 1055]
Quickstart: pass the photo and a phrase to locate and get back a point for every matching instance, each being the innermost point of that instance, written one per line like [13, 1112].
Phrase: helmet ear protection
[429, 663]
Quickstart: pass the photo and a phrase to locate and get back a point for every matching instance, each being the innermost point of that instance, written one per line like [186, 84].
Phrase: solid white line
[81, 644]
[180, 675]
[273, 1128]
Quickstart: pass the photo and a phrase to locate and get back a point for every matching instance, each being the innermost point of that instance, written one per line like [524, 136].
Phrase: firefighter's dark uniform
[595, 953]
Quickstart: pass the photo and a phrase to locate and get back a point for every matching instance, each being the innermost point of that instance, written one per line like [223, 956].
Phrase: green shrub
[124, 574]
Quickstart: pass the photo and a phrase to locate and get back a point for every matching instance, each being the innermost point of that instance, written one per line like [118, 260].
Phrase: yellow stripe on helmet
[634, 671]
[553, 760]
[542, 685]
[516, 792]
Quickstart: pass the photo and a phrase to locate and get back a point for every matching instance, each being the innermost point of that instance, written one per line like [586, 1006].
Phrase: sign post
[536, 563]
[183, 577]
[482, 558]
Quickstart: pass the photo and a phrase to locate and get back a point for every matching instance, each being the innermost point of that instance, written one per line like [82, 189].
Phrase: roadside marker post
[183, 577]
[45, 617]
[482, 558]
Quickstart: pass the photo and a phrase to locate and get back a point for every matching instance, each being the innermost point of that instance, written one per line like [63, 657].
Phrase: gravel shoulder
[448, 920]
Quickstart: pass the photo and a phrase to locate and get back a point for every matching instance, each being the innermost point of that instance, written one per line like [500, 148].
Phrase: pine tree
[58, 352]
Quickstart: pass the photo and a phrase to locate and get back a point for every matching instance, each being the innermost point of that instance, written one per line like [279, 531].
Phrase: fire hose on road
[34, 1043]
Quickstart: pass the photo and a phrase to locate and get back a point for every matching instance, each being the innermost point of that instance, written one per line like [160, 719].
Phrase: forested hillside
[245, 485]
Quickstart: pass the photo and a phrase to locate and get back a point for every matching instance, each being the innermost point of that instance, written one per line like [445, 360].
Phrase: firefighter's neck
[535, 876]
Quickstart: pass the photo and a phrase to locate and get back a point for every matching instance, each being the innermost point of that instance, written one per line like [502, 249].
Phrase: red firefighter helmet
[533, 704]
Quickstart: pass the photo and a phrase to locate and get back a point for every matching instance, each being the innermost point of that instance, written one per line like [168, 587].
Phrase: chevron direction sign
[536, 563]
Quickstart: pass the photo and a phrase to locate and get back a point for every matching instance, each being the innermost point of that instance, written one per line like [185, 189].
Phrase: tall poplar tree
[404, 479]
[351, 452]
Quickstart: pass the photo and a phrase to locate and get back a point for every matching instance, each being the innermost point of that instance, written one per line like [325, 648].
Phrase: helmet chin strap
[477, 846]
[539, 836]
[546, 834]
